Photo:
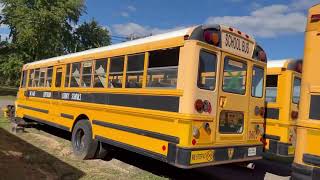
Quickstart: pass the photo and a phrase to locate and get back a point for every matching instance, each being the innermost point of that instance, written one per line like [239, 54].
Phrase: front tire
[84, 147]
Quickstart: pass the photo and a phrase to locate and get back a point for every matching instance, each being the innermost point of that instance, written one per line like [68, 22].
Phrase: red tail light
[194, 142]
[315, 18]
[262, 56]
[207, 106]
[199, 105]
[294, 114]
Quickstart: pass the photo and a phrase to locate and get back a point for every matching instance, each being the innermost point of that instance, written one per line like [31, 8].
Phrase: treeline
[41, 29]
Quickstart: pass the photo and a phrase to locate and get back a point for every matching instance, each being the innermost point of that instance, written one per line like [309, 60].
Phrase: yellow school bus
[282, 98]
[192, 97]
[307, 156]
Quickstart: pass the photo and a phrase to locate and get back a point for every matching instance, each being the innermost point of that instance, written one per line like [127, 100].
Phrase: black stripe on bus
[46, 122]
[132, 148]
[68, 116]
[162, 103]
[311, 159]
[151, 134]
[314, 112]
[268, 136]
[34, 109]
[272, 113]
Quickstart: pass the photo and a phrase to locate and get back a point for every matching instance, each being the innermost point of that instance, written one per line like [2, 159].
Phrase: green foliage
[41, 29]
[91, 35]
[10, 70]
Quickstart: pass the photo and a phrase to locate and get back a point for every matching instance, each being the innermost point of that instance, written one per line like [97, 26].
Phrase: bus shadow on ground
[21, 160]
[219, 172]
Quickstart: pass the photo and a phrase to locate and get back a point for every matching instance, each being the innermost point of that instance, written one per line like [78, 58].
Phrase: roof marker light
[315, 18]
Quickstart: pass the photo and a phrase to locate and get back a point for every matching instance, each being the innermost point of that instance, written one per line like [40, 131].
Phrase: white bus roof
[149, 39]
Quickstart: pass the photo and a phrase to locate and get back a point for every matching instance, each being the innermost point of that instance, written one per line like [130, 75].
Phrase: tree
[91, 35]
[42, 28]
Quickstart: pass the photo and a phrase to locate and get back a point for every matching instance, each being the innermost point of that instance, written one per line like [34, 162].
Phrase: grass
[53, 155]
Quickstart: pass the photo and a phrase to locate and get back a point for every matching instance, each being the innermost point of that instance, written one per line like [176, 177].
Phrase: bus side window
[49, 77]
[86, 74]
[67, 79]
[135, 68]
[100, 73]
[116, 72]
[163, 68]
[58, 77]
[31, 77]
[75, 75]
[42, 77]
[35, 82]
[271, 88]
[24, 79]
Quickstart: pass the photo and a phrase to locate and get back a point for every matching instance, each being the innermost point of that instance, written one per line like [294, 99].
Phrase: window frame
[127, 67]
[238, 60]
[46, 77]
[91, 74]
[106, 72]
[24, 79]
[263, 86]
[124, 59]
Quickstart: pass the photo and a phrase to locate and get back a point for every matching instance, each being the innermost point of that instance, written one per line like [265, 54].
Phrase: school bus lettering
[65, 96]
[137, 95]
[76, 96]
[47, 94]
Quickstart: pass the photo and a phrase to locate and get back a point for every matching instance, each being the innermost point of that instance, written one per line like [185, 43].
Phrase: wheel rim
[79, 139]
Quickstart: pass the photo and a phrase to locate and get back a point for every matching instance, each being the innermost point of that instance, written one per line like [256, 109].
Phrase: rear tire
[84, 147]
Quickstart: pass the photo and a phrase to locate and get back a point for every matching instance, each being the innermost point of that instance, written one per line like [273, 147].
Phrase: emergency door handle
[222, 101]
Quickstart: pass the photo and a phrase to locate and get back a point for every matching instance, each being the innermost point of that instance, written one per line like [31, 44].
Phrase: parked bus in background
[282, 98]
[192, 97]
[307, 155]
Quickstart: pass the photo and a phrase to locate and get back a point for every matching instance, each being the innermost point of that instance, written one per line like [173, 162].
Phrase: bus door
[232, 101]
[257, 103]
[58, 84]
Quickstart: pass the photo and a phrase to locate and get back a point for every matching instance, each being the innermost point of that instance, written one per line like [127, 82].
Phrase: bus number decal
[237, 43]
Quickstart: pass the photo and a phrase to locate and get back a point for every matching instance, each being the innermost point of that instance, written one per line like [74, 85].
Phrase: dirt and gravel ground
[43, 152]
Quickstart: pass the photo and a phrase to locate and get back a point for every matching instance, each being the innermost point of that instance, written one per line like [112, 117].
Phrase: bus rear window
[271, 88]
[207, 70]
[163, 68]
[257, 82]
[231, 122]
[234, 76]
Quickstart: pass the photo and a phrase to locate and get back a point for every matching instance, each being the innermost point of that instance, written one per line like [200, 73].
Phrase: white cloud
[135, 29]
[131, 8]
[124, 14]
[268, 21]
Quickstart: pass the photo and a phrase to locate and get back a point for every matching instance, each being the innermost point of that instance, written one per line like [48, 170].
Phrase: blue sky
[277, 25]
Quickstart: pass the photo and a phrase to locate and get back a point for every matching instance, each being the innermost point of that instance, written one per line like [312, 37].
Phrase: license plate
[290, 150]
[201, 156]
[252, 151]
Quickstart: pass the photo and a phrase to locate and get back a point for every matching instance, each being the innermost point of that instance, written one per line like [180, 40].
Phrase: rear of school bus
[209, 112]
[307, 156]
[282, 98]
[224, 89]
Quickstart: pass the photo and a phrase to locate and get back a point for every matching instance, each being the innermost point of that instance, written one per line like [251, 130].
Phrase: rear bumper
[189, 158]
[304, 172]
[278, 148]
